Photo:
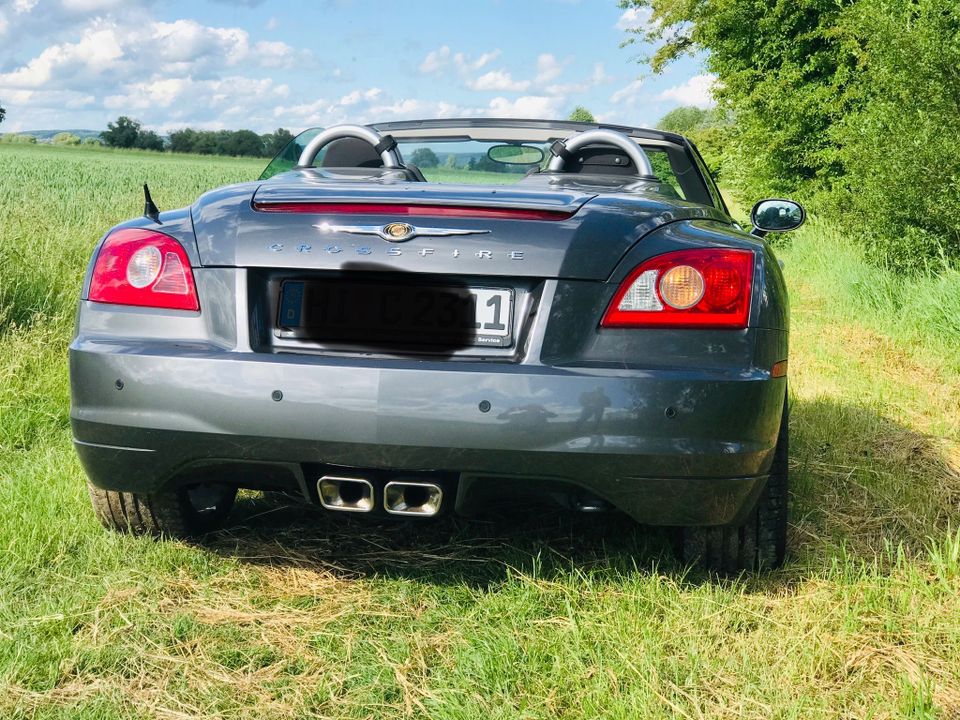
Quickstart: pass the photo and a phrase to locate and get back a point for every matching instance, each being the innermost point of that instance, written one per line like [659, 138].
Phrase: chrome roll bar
[601, 137]
[389, 156]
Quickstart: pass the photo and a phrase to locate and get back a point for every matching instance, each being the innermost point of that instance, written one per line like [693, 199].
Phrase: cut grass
[290, 613]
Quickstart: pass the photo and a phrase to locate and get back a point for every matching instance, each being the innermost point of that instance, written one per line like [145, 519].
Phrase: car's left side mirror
[776, 215]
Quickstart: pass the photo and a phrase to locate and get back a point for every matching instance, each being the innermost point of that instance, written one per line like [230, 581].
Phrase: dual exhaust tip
[400, 497]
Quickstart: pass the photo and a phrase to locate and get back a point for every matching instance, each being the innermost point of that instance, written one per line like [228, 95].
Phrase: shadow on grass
[859, 482]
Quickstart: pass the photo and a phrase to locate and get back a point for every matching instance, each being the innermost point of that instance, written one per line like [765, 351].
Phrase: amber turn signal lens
[779, 369]
[681, 287]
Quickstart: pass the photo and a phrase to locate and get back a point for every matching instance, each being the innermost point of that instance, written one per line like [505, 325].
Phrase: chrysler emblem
[396, 231]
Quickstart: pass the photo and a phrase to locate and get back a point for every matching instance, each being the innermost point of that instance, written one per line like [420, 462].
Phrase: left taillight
[144, 268]
[705, 288]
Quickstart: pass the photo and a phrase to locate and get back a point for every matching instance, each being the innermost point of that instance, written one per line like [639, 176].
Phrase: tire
[181, 513]
[761, 542]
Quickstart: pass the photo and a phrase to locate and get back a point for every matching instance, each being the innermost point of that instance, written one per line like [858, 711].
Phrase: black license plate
[365, 312]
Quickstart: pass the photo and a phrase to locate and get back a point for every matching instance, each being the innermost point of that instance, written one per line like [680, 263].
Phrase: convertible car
[416, 318]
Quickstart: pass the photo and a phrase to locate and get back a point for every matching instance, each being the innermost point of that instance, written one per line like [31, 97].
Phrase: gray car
[416, 318]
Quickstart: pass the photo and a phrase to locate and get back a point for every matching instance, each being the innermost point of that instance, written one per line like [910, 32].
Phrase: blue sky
[297, 64]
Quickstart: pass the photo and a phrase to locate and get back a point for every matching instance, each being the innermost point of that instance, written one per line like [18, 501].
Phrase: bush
[65, 138]
[901, 151]
[16, 139]
[92, 141]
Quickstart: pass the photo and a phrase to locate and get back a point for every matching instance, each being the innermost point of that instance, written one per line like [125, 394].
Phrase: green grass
[289, 614]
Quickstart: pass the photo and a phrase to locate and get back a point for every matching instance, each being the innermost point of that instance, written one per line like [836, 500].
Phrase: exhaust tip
[345, 494]
[412, 498]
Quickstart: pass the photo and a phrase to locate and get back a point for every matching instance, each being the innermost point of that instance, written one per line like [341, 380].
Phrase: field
[288, 614]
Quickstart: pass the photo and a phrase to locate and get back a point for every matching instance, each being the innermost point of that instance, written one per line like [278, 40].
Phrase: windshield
[463, 160]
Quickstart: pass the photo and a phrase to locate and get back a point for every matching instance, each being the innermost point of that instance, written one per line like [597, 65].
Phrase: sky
[264, 64]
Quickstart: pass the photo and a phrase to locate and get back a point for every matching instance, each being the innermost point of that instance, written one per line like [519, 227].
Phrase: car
[441, 316]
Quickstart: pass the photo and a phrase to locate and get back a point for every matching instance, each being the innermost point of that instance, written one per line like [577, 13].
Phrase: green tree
[581, 114]
[149, 140]
[3, 113]
[424, 158]
[241, 142]
[683, 119]
[275, 142]
[183, 141]
[850, 105]
[122, 134]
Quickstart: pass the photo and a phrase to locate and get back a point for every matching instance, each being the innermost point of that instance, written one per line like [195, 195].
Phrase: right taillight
[145, 268]
[708, 287]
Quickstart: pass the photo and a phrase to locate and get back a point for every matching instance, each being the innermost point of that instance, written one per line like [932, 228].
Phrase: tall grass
[908, 307]
[291, 614]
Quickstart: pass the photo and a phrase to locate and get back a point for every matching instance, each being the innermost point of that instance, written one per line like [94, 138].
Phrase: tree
[3, 113]
[149, 140]
[183, 141]
[241, 142]
[683, 119]
[850, 105]
[581, 114]
[122, 134]
[275, 142]
[424, 158]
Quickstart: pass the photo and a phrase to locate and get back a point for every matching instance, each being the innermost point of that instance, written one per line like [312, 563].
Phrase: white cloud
[527, 106]
[272, 24]
[358, 95]
[498, 81]
[436, 60]
[698, 91]
[108, 54]
[598, 77]
[627, 93]
[465, 64]
[91, 6]
[548, 68]
[442, 58]
[23, 6]
[634, 19]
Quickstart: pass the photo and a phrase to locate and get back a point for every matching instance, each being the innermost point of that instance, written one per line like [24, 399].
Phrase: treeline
[129, 133]
[852, 106]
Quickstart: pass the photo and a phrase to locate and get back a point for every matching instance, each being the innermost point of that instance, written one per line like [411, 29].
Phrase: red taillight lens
[144, 268]
[687, 288]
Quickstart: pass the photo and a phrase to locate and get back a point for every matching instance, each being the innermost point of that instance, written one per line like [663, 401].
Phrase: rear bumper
[667, 447]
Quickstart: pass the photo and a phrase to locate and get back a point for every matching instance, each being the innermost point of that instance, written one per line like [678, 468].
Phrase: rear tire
[181, 513]
[758, 544]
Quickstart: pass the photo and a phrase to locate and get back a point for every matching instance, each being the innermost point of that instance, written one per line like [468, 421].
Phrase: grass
[288, 614]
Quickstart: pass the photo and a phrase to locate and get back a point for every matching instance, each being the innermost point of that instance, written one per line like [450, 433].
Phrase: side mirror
[776, 216]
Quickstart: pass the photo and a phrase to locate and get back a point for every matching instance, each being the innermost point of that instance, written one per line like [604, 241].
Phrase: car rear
[276, 336]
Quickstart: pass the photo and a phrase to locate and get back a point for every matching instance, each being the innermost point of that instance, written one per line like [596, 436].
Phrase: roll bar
[563, 148]
[385, 145]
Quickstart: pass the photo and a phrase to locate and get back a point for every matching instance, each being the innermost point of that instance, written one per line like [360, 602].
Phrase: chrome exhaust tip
[345, 494]
[412, 498]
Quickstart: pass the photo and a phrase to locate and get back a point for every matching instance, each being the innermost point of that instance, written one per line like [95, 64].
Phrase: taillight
[687, 288]
[144, 268]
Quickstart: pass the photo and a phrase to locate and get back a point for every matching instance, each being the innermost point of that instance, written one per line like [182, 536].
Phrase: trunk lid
[306, 223]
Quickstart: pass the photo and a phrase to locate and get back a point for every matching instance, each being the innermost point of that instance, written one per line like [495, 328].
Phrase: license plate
[365, 312]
